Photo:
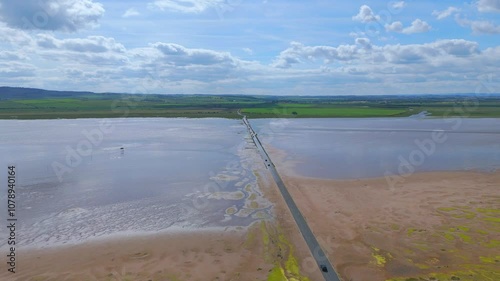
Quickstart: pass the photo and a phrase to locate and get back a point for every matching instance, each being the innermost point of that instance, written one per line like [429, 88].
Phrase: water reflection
[372, 147]
[78, 182]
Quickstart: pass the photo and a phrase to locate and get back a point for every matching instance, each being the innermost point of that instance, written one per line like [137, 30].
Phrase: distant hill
[32, 93]
[7, 93]
[29, 103]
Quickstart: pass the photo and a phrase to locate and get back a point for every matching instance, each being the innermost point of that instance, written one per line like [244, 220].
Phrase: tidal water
[85, 179]
[89, 178]
[375, 147]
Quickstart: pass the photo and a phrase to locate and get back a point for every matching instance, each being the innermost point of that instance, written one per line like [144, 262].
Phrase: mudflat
[435, 226]
[270, 249]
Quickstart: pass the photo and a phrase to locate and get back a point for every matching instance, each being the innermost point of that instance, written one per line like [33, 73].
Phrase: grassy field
[20, 103]
[312, 110]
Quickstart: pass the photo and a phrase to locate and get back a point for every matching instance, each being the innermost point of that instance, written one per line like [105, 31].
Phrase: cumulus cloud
[181, 56]
[130, 13]
[489, 6]
[186, 6]
[396, 26]
[426, 53]
[363, 52]
[286, 61]
[11, 56]
[298, 52]
[364, 42]
[445, 13]
[65, 15]
[92, 50]
[417, 26]
[14, 36]
[171, 62]
[458, 47]
[299, 69]
[479, 27]
[398, 5]
[248, 51]
[365, 15]
[16, 70]
[91, 44]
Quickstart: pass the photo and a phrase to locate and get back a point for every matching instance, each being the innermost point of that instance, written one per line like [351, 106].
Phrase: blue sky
[252, 47]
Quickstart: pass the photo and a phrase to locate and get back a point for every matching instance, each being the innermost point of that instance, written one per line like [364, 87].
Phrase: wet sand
[192, 255]
[441, 225]
[270, 247]
[433, 225]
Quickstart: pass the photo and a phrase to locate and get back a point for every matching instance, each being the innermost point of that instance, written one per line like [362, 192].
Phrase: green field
[21, 103]
[312, 110]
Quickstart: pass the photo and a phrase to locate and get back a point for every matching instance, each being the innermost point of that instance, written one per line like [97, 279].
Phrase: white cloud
[364, 52]
[479, 27]
[417, 26]
[398, 5]
[91, 44]
[179, 69]
[364, 42]
[92, 50]
[365, 15]
[169, 63]
[14, 36]
[489, 6]
[445, 13]
[396, 26]
[132, 12]
[11, 56]
[286, 61]
[458, 47]
[187, 6]
[366, 64]
[65, 15]
[15, 70]
[298, 51]
[178, 55]
[248, 51]
[357, 34]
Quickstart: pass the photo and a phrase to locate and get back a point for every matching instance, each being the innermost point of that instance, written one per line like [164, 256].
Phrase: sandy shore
[435, 226]
[193, 255]
[269, 249]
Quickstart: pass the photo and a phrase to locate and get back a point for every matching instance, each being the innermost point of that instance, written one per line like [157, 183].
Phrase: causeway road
[318, 254]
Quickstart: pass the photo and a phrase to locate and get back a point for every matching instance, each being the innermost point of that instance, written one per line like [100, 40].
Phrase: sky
[258, 47]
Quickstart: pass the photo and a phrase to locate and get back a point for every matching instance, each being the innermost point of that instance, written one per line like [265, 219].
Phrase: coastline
[268, 247]
[191, 255]
[432, 224]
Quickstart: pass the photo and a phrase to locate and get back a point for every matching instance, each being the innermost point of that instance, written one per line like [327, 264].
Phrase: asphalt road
[312, 243]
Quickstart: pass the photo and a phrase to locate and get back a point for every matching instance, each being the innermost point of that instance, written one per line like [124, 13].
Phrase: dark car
[323, 268]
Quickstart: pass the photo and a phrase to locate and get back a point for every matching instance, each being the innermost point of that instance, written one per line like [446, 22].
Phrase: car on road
[323, 268]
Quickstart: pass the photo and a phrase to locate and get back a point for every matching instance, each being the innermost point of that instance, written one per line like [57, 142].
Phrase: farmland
[24, 103]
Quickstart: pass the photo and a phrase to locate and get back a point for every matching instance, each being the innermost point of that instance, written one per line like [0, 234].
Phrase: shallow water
[375, 147]
[75, 182]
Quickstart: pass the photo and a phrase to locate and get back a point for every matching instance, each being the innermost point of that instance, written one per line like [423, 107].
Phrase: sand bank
[441, 225]
[270, 249]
